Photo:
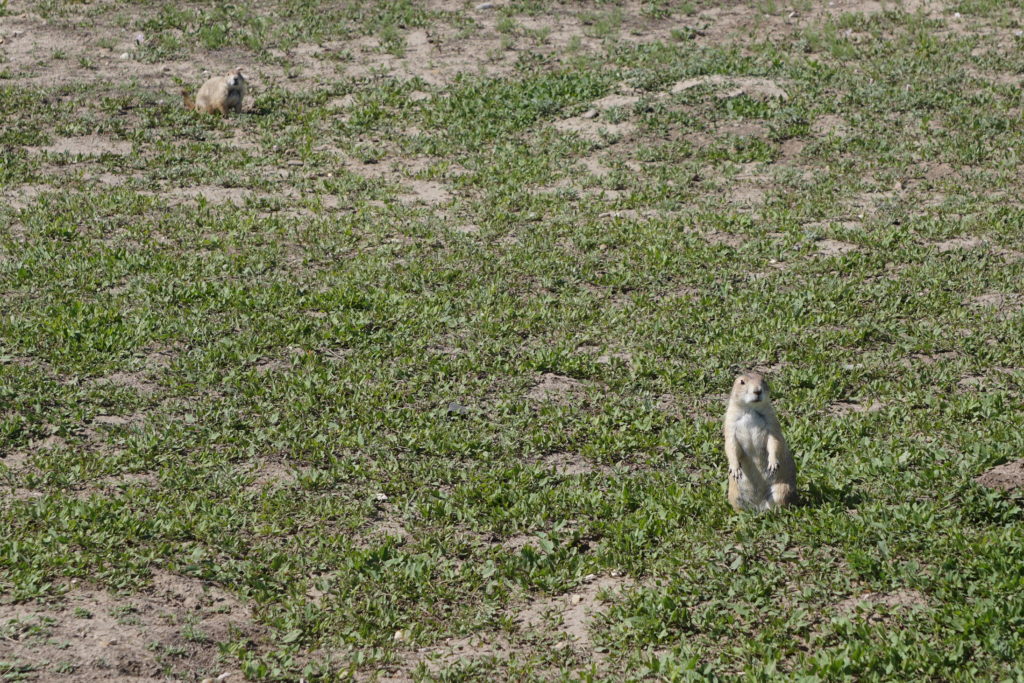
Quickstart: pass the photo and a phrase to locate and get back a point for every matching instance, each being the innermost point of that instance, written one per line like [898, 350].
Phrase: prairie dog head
[235, 80]
[750, 389]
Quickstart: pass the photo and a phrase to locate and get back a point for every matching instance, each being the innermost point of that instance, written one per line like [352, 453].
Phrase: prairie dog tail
[187, 99]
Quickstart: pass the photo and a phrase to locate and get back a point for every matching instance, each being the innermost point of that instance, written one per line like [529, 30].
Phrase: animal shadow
[816, 495]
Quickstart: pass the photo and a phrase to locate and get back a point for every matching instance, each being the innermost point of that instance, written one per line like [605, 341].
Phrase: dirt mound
[903, 598]
[1008, 477]
[552, 387]
[572, 614]
[756, 88]
[92, 634]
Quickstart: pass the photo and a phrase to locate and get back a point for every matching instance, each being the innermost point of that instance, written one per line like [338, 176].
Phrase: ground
[415, 369]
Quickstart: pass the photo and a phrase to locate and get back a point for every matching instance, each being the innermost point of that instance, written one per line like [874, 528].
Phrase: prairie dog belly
[752, 491]
[752, 433]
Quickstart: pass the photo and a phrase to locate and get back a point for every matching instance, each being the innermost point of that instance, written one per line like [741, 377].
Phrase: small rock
[140, 38]
[589, 114]
[124, 55]
[380, 498]
[485, 5]
[576, 599]
[457, 409]
[401, 635]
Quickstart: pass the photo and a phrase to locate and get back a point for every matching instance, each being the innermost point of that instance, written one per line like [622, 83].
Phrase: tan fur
[219, 94]
[762, 474]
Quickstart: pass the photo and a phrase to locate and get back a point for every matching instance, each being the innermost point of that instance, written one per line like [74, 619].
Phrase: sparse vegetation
[416, 368]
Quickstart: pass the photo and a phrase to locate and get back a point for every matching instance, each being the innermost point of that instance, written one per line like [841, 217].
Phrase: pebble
[457, 409]
[485, 5]
[589, 114]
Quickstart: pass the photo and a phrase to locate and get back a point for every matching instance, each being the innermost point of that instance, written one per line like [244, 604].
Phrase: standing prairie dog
[762, 474]
[219, 94]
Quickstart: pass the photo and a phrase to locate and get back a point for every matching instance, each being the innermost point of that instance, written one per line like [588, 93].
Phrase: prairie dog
[762, 474]
[219, 94]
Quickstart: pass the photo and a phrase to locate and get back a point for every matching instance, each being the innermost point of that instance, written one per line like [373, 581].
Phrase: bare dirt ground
[95, 634]
[1008, 477]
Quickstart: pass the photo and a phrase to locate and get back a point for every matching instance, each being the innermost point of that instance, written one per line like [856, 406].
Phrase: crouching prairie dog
[219, 94]
[762, 474]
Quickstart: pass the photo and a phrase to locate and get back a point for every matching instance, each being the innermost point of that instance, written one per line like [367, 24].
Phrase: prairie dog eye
[743, 383]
